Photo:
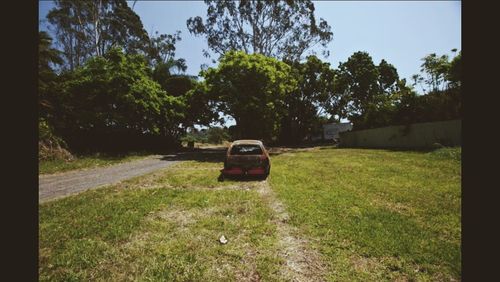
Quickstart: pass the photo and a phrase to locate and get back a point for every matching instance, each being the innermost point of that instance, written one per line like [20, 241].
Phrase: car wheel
[267, 172]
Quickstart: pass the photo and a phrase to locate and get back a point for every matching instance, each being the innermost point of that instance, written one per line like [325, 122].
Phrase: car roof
[248, 141]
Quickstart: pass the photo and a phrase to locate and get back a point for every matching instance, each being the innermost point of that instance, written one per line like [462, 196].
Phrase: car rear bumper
[243, 171]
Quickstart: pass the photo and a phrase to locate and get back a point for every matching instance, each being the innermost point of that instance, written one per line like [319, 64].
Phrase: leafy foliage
[115, 93]
[47, 58]
[364, 91]
[161, 54]
[216, 135]
[251, 89]
[118, 79]
[211, 135]
[201, 108]
[438, 73]
[50, 146]
[281, 29]
[307, 103]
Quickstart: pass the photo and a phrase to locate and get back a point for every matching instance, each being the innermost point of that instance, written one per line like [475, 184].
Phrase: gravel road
[64, 184]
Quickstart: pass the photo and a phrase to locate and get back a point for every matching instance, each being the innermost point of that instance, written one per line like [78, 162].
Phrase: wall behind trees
[418, 135]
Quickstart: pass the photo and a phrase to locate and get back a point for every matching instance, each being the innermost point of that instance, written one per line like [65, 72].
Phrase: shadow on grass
[241, 178]
[216, 155]
[278, 150]
[398, 149]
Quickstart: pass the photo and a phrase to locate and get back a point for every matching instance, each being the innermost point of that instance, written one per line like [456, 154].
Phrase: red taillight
[257, 170]
[234, 170]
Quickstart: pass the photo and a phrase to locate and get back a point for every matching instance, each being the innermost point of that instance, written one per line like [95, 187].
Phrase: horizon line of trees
[108, 85]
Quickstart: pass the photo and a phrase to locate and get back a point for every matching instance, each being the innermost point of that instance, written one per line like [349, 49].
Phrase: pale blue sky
[402, 32]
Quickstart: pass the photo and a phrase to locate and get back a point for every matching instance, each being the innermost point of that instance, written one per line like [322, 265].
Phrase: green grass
[150, 228]
[377, 214]
[373, 215]
[86, 161]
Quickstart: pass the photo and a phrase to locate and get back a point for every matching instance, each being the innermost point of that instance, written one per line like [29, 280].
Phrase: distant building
[331, 130]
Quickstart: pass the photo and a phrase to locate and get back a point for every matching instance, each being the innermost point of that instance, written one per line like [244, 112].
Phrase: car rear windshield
[246, 150]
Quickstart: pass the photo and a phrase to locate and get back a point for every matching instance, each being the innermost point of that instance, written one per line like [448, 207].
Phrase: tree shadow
[278, 150]
[395, 149]
[213, 155]
[241, 178]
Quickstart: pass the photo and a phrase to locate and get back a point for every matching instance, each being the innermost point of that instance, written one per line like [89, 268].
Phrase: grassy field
[377, 214]
[162, 227]
[371, 214]
[88, 161]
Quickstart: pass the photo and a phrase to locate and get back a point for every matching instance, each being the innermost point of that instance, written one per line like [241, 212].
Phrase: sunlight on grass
[377, 214]
[373, 215]
[126, 232]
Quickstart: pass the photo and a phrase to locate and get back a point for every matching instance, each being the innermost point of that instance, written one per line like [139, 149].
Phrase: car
[247, 157]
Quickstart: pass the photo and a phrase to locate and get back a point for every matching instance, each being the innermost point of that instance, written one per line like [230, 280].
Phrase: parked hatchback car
[247, 157]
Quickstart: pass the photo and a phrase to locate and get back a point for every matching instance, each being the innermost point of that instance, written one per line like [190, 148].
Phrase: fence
[418, 135]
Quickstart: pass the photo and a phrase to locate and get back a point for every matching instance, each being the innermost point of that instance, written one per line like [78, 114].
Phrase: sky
[401, 32]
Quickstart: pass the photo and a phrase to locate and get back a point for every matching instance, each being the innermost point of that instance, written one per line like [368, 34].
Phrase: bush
[51, 147]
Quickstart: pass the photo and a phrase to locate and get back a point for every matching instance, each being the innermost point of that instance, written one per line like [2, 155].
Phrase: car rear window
[246, 150]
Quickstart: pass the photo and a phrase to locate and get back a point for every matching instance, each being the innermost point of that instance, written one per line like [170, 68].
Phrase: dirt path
[64, 184]
[302, 262]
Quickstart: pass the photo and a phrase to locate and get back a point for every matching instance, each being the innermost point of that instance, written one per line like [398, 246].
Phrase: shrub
[50, 146]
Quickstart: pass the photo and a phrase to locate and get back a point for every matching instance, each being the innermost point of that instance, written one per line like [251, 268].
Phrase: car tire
[267, 173]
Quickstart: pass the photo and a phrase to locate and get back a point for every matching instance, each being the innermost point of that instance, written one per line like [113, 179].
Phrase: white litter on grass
[222, 239]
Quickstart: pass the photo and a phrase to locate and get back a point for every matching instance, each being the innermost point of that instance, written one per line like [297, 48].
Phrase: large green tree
[201, 108]
[281, 29]
[115, 92]
[306, 105]
[252, 89]
[363, 91]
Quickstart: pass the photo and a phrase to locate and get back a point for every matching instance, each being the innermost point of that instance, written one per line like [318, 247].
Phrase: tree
[434, 106]
[308, 101]
[115, 93]
[201, 108]
[216, 135]
[438, 73]
[47, 55]
[251, 89]
[90, 28]
[356, 84]
[454, 75]
[363, 91]
[161, 51]
[280, 29]
[47, 58]
[436, 69]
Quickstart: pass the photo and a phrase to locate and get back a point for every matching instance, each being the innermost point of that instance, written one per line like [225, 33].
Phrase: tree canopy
[117, 79]
[306, 104]
[251, 89]
[90, 28]
[280, 29]
[115, 93]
